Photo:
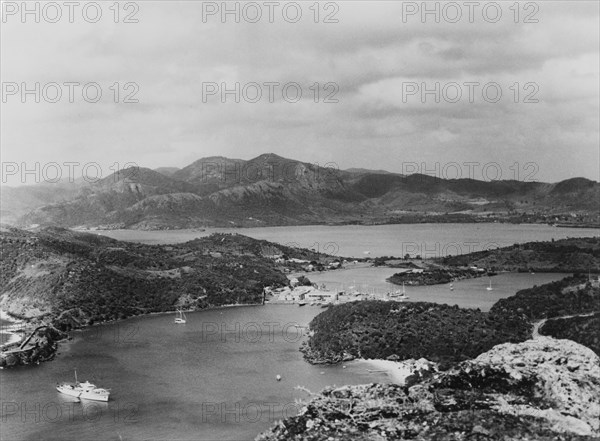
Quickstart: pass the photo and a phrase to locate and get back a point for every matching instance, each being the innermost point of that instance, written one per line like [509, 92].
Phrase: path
[535, 333]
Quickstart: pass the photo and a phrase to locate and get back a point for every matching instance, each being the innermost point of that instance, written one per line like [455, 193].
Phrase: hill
[565, 255]
[543, 389]
[441, 333]
[47, 273]
[272, 190]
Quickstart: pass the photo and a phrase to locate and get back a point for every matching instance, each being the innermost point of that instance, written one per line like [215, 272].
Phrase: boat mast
[76, 376]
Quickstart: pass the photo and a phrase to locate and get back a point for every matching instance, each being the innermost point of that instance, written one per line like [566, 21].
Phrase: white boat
[84, 391]
[403, 295]
[489, 288]
[180, 319]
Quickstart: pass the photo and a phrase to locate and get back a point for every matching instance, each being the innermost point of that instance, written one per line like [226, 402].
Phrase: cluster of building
[309, 265]
[309, 294]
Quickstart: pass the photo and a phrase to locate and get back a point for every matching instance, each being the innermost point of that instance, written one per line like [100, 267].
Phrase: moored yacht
[180, 319]
[85, 390]
[402, 296]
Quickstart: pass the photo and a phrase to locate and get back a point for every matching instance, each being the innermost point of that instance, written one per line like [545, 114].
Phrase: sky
[494, 92]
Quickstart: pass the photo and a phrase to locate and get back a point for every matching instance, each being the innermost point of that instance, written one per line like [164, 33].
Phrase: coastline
[398, 371]
[10, 329]
[18, 324]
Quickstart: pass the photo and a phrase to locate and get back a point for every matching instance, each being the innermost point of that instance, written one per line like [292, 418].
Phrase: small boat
[180, 319]
[489, 288]
[301, 303]
[278, 377]
[85, 390]
[403, 295]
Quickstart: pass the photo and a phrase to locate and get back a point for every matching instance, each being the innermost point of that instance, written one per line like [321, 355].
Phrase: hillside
[18, 201]
[585, 330]
[271, 190]
[542, 390]
[441, 333]
[569, 296]
[565, 255]
[58, 274]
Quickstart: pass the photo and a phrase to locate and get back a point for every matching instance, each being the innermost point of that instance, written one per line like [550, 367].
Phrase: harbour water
[213, 378]
[428, 240]
[468, 293]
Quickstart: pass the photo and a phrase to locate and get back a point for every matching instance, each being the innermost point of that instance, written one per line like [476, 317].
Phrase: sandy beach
[397, 371]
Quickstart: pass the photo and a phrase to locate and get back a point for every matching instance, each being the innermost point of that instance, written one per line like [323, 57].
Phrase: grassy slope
[441, 333]
[583, 330]
[53, 270]
[566, 255]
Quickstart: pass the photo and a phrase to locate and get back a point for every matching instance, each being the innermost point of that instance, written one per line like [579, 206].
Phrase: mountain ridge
[272, 190]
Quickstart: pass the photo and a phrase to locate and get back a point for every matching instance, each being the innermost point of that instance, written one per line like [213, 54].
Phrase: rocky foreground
[543, 389]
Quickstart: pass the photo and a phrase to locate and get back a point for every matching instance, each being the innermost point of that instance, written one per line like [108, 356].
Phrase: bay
[213, 378]
[427, 240]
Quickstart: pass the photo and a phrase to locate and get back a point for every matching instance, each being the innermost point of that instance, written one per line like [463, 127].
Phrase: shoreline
[150, 314]
[433, 219]
[9, 329]
[16, 338]
[398, 371]
[394, 370]
[54, 344]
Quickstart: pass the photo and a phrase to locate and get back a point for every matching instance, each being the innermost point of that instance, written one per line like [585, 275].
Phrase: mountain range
[271, 190]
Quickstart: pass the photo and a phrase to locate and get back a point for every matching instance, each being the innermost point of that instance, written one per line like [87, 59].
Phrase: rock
[572, 365]
[543, 389]
[565, 375]
[480, 430]
[518, 362]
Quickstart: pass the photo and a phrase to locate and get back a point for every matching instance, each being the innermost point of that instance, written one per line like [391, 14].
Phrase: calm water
[214, 378]
[211, 379]
[428, 240]
[469, 293]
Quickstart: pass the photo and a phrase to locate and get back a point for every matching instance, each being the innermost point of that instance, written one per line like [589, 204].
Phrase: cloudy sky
[376, 61]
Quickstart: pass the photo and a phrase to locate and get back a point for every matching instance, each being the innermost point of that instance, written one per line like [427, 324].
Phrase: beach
[397, 371]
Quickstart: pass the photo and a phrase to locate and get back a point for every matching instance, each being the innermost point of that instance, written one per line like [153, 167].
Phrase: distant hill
[573, 255]
[167, 171]
[17, 201]
[367, 171]
[63, 275]
[272, 190]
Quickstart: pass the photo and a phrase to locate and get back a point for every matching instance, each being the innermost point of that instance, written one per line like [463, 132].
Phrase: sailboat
[85, 390]
[403, 295]
[452, 287]
[180, 319]
[489, 288]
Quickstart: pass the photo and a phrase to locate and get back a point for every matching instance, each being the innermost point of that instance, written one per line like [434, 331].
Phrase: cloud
[370, 54]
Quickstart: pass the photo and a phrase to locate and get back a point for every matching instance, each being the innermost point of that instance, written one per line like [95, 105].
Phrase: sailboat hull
[180, 319]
